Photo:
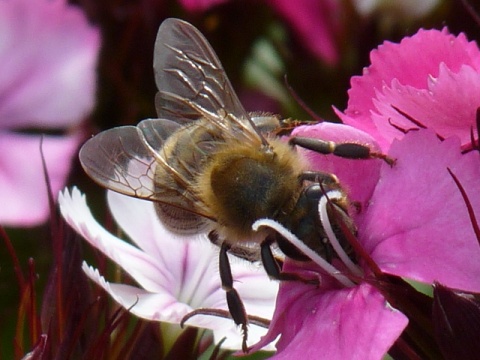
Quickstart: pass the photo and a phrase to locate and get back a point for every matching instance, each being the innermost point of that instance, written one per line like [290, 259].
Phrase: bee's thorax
[242, 184]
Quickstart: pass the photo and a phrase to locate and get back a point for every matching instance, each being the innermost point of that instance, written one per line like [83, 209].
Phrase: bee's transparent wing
[127, 159]
[192, 83]
[156, 131]
[123, 160]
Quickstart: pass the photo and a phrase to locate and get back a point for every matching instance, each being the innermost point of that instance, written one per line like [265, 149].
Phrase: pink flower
[439, 90]
[48, 53]
[413, 223]
[175, 274]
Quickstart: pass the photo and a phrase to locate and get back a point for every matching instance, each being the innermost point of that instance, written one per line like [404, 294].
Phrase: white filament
[332, 238]
[300, 245]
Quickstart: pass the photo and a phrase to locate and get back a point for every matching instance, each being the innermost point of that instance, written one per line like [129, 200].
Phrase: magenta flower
[317, 23]
[413, 223]
[439, 90]
[48, 53]
[175, 275]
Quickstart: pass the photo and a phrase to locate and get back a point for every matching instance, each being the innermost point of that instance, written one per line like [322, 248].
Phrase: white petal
[138, 220]
[162, 307]
[191, 263]
[144, 304]
[141, 266]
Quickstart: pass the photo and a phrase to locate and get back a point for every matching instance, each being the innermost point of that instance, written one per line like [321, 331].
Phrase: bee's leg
[273, 269]
[235, 304]
[242, 252]
[347, 150]
[319, 177]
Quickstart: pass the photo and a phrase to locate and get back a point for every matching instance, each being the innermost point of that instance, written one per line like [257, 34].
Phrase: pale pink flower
[48, 53]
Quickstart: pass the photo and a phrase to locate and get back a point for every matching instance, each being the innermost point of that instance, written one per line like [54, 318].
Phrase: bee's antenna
[259, 133]
[300, 102]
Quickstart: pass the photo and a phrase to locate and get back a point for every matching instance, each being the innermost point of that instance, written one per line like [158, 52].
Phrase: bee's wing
[123, 159]
[192, 83]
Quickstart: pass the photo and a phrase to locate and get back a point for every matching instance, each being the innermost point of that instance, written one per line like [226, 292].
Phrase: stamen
[300, 245]
[327, 226]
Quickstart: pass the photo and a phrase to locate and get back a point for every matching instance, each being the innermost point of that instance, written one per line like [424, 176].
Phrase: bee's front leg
[235, 304]
[319, 177]
[272, 267]
[347, 150]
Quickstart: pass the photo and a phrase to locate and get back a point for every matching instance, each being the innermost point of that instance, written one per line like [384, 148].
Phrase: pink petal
[48, 53]
[417, 225]
[317, 23]
[358, 177]
[328, 323]
[448, 106]
[447, 70]
[401, 61]
[22, 183]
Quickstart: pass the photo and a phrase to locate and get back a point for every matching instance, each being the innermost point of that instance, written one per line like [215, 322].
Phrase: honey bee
[210, 167]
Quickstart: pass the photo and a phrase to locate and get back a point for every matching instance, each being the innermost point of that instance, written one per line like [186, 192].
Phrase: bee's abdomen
[180, 221]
